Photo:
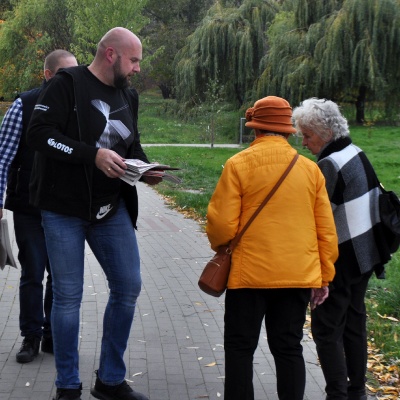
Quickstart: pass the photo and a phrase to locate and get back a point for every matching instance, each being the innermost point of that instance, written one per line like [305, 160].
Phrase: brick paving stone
[175, 350]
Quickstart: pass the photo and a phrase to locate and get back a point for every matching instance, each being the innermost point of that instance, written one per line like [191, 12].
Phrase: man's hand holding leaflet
[137, 168]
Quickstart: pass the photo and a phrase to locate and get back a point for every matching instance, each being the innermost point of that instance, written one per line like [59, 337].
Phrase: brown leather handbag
[214, 277]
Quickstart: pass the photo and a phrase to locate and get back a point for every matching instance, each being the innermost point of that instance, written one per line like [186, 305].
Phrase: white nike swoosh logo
[102, 214]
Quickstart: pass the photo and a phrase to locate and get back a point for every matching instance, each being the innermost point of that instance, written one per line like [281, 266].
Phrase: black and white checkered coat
[353, 190]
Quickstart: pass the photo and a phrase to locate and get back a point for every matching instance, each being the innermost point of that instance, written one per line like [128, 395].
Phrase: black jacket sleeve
[53, 128]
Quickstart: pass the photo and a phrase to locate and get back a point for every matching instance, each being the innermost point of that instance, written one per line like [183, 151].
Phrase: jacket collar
[335, 146]
[262, 138]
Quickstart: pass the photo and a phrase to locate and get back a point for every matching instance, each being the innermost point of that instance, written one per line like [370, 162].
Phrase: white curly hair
[322, 117]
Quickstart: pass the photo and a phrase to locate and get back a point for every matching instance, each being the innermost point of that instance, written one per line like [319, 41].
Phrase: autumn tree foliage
[30, 30]
[33, 28]
[91, 19]
[345, 50]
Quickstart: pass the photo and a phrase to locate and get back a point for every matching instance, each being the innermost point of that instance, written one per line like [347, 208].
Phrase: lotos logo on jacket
[60, 146]
[104, 210]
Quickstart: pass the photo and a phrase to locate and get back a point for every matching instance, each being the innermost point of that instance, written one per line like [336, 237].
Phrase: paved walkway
[175, 351]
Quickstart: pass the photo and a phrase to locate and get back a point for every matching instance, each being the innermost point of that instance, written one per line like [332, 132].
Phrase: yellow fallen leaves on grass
[386, 317]
[387, 375]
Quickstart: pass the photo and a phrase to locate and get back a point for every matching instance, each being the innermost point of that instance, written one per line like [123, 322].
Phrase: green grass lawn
[201, 167]
[162, 121]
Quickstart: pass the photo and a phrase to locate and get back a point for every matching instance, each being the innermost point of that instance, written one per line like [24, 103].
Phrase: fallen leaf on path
[211, 364]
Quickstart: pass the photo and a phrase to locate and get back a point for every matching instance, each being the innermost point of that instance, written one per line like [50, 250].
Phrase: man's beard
[120, 81]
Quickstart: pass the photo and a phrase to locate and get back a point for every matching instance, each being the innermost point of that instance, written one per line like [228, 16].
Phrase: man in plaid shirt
[16, 160]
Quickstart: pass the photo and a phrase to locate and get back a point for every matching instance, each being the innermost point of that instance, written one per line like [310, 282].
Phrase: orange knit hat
[272, 114]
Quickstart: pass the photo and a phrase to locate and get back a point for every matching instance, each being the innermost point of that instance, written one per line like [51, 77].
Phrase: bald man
[15, 171]
[83, 127]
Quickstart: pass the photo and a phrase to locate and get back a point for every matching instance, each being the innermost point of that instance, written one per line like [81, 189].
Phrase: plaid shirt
[10, 136]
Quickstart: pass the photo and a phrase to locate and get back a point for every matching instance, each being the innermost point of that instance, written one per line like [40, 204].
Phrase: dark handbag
[389, 211]
[214, 277]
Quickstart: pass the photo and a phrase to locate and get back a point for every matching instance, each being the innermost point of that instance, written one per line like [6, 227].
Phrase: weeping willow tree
[226, 48]
[170, 23]
[361, 53]
[289, 68]
[343, 50]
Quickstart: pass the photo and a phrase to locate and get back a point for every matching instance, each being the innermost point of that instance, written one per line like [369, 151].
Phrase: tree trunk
[165, 90]
[360, 105]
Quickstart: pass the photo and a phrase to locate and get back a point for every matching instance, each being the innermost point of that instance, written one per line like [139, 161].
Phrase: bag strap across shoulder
[236, 239]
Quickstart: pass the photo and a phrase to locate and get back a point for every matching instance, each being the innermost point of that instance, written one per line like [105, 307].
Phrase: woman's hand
[318, 296]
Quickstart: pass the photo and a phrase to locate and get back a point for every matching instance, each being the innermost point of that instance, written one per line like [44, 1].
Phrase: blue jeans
[35, 314]
[113, 242]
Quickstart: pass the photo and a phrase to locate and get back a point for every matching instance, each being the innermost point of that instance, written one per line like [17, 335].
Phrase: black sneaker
[119, 392]
[68, 394]
[29, 349]
[47, 344]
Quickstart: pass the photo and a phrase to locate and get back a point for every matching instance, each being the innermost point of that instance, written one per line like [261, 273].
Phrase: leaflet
[138, 168]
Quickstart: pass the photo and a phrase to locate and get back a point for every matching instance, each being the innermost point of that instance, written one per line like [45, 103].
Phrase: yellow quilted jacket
[292, 243]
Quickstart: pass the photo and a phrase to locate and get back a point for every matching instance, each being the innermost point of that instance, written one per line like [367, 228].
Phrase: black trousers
[339, 331]
[35, 311]
[284, 311]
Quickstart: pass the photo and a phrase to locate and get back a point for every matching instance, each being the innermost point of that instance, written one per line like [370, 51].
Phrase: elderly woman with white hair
[339, 324]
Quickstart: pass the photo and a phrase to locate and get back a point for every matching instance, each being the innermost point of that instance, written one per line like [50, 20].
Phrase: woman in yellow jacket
[285, 258]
